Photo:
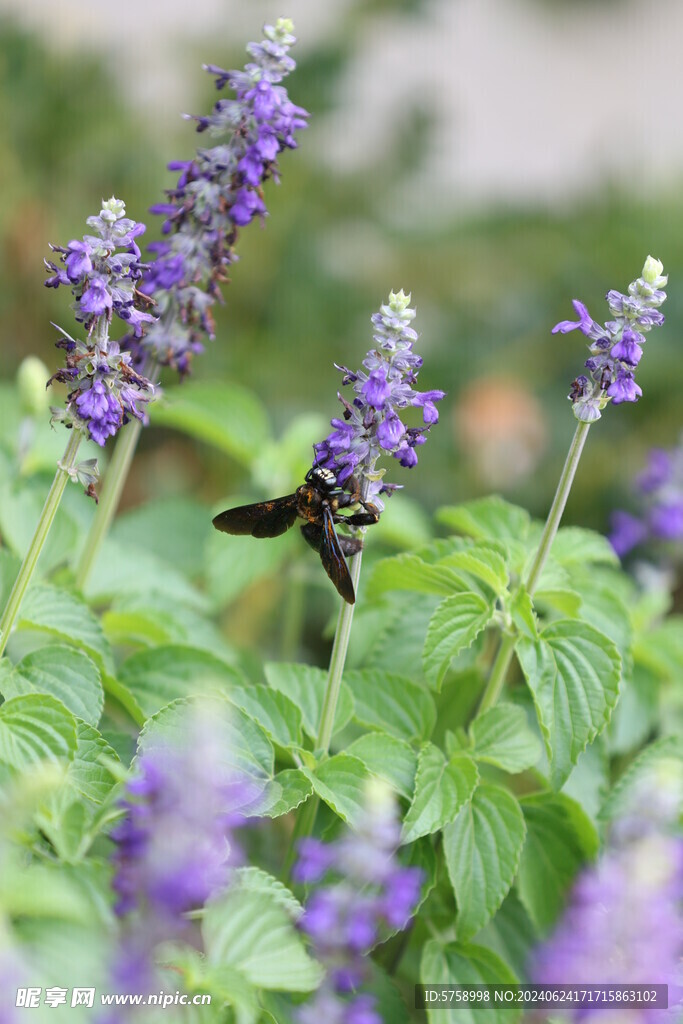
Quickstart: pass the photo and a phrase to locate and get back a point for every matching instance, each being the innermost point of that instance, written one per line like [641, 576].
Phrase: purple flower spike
[103, 271]
[216, 194]
[616, 347]
[371, 894]
[373, 421]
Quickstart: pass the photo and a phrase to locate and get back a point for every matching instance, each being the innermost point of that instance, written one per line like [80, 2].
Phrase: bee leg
[368, 518]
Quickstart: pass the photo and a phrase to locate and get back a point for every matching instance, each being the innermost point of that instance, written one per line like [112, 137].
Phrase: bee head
[322, 478]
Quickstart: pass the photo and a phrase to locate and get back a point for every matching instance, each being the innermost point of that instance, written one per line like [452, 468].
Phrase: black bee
[318, 501]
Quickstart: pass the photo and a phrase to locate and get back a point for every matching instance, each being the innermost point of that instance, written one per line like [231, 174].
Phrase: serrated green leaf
[410, 572]
[223, 414]
[398, 635]
[573, 672]
[483, 562]
[391, 703]
[62, 614]
[459, 963]
[284, 793]
[452, 628]
[160, 675]
[604, 609]
[576, 544]
[442, 787]
[560, 837]
[66, 673]
[391, 759]
[341, 782]
[274, 711]
[88, 773]
[489, 518]
[501, 736]
[237, 741]
[305, 687]
[251, 931]
[36, 728]
[588, 780]
[482, 849]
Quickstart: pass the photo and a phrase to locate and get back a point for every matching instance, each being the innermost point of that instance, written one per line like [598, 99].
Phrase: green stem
[112, 488]
[507, 644]
[42, 529]
[305, 820]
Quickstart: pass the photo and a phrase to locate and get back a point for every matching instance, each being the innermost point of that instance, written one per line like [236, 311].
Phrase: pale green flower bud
[32, 378]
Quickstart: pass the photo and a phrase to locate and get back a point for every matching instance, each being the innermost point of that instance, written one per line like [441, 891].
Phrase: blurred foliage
[488, 286]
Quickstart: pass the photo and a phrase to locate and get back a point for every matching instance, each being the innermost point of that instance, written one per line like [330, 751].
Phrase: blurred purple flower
[659, 496]
[371, 895]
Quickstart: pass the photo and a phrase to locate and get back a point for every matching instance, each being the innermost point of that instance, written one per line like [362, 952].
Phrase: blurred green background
[535, 212]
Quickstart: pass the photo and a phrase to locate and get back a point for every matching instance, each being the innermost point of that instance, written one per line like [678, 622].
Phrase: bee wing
[263, 519]
[333, 560]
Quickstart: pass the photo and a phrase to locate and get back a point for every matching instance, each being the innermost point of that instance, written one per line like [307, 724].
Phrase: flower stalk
[616, 350]
[65, 469]
[110, 496]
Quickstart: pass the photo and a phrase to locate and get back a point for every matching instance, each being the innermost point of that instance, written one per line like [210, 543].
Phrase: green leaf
[35, 728]
[560, 837]
[251, 930]
[20, 509]
[389, 758]
[452, 628]
[483, 562]
[576, 544]
[482, 849]
[64, 615]
[398, 635]
[276, 713]
[341, 782]
[410, 572]
[87, 774]
[284, 793]
[237, 741]
[186, 527]
[521, 609]
[489, 518]
[465, 964]
[64, 672]
[129, 570]
[511, 934]
[661, 648]
[305, 687]
[232, 564]
[604, 609]
[391, 703]
[223, 415]
[501, 736]
[658, 766]
[160, 675]
[441, 788]
[573, 672]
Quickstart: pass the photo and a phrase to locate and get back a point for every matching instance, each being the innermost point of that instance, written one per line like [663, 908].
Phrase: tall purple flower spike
[616, 346]
[372, 423]
[218, 192]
